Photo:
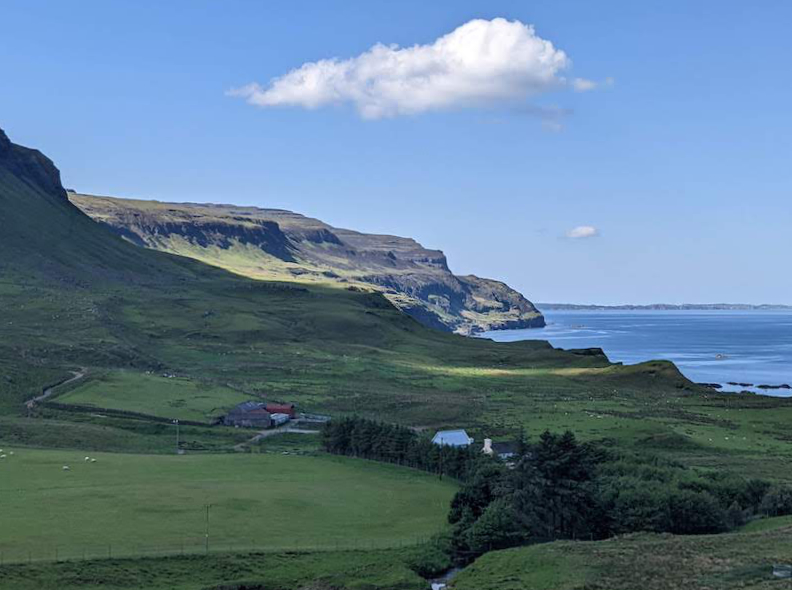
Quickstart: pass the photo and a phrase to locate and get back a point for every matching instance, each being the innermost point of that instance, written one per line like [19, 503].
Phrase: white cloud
[480, 63]
[583, 231]
[583, 85]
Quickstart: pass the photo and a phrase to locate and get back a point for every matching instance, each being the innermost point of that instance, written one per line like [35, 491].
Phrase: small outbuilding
[279, 419]
[452, 438]
[249, 415]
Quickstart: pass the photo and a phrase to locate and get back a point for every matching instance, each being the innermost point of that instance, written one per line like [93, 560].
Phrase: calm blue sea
[708, 346]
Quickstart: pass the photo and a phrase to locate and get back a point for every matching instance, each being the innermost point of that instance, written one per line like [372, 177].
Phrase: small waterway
[442, 581]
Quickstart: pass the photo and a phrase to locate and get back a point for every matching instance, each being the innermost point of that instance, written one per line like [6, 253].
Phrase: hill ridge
[278, 244]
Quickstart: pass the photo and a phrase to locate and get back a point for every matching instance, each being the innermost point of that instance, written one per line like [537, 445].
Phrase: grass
[767, 524]
[335, 570]
[156, 395]
[651, 562]
[74, 295]
[126, 504]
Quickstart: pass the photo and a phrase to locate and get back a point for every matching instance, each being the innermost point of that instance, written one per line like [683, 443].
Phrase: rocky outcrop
[279, 244]
[31, 166]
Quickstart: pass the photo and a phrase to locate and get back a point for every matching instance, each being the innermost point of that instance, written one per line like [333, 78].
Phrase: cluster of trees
[561, 489]
[558, 488]
[368, 439]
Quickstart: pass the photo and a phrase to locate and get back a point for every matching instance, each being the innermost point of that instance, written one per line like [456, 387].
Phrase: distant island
[665, 306]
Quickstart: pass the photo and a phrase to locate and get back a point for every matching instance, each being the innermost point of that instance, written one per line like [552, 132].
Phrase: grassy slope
[259, 501]
[353, 570]
[650, 562]
[74, 295]
[156, 395]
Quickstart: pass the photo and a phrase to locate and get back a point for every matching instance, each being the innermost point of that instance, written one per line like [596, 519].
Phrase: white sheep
[66, 468]
[93, 460]
[87, 459]
[2, 456]
[11, 453]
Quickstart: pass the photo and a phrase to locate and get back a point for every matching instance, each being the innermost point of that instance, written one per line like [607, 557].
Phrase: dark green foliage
[369, 439]
[777, 502]
[430, 559]
[562, 489]
[498, 527]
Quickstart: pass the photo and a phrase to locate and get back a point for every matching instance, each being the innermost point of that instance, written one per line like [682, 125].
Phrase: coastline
[741, 351]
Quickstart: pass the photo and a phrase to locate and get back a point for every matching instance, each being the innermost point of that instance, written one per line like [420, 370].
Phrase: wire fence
[193, 547]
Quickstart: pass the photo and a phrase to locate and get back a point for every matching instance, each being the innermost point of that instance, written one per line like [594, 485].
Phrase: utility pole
[208, 506]
[176, 422]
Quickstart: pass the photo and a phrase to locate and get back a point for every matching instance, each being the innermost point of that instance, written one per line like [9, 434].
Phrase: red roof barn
[282, 409]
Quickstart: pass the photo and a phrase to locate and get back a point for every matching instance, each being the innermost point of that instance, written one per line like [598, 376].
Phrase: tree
[496, 528]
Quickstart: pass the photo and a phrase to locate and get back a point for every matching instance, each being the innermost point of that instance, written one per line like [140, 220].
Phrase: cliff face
[274, 244]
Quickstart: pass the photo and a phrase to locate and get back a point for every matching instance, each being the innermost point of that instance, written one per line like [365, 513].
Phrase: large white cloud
[480, 63]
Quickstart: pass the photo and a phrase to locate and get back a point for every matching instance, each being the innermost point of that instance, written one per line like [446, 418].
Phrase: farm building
[249, 415]
[452, 438]
[503, 450]
[279, 419]
[276, 408]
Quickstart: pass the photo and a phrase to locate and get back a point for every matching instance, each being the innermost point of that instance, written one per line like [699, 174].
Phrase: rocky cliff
[275, 244]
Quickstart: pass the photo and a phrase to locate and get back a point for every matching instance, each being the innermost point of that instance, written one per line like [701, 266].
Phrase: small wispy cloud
[481, 63]
[582, 232]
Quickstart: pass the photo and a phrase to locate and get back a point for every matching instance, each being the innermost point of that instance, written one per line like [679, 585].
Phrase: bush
[431, 559]
[777, 502]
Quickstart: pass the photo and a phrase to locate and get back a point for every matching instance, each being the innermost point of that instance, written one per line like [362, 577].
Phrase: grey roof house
[504, 450]
[452, 438]
[249, 415]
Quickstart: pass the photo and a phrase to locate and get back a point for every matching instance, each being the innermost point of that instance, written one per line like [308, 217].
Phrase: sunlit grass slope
[127, 503]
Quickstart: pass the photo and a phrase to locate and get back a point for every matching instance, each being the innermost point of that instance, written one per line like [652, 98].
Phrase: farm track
[49, 391]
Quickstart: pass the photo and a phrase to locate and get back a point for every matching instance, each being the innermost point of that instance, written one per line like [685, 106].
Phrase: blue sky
[680, 157]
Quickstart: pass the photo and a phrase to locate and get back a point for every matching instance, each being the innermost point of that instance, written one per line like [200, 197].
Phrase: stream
[441, 582]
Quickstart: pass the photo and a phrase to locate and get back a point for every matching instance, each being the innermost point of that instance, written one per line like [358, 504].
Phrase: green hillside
[76, 296]
[651, 562]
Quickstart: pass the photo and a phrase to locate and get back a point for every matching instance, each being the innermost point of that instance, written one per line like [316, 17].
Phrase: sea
[748, 348]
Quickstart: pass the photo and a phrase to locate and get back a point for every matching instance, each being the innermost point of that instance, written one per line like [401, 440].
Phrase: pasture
[133, 504]
[155, 395]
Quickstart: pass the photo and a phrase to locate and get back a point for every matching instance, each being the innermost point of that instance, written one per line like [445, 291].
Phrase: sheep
[93, 460]
[87, 459]
[2, 456]
[11, 453]
[66, 468]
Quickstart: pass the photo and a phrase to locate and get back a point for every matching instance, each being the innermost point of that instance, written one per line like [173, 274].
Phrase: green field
[165, 397]
[646, 561]
[128, 504]
[331, 570]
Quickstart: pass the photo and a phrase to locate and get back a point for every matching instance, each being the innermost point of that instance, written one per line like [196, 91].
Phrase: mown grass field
[650, 562]
[127, 504]
[155, 395]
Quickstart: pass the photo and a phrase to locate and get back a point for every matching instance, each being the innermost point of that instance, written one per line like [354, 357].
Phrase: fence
[193, 547]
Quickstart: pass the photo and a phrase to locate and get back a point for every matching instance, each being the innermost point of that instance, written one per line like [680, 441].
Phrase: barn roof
[249, 406]
[454, 438]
